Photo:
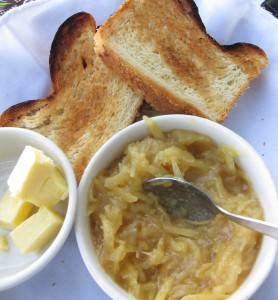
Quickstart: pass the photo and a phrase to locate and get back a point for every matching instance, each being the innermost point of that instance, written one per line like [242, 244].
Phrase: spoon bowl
[182, 199]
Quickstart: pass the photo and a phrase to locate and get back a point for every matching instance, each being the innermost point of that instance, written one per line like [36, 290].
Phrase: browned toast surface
[88, 104]
[164, 53]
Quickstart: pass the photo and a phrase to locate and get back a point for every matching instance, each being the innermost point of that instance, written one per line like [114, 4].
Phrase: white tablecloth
[26, 34]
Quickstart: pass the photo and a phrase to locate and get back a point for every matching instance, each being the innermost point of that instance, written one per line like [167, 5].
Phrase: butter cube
[37, 179]
[13, 211]
[52, 190]
[39, 229]
[4, 245]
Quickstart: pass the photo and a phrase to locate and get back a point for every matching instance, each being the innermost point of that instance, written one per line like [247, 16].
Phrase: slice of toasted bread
[88, 103]
[164, 53]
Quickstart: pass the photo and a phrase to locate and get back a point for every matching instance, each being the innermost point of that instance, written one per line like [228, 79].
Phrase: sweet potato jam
[152, 256]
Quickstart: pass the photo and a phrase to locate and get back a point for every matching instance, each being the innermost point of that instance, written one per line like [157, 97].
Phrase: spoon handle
[256, 225]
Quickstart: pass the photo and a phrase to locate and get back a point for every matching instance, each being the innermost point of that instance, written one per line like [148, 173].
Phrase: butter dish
[17, 266]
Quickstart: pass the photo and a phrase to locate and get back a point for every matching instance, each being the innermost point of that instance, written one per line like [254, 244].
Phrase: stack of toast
[88, 103]
[146, 58]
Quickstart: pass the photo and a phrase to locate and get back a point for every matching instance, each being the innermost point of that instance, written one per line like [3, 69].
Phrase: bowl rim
[32, 269]
[118, 142]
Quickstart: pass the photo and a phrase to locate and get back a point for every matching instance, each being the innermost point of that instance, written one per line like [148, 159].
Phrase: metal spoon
[183, 199]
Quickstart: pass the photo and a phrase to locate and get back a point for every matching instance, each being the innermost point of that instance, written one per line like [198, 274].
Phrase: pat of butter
[52, 190]
[37, 179]
[4, 245]
[39, 229]
[13, 211]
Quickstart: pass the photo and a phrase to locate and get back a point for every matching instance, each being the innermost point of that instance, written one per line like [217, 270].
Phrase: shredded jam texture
[149, 254]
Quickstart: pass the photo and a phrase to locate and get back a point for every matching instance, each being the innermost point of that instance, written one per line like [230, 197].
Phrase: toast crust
[176, 34]
[88, 103]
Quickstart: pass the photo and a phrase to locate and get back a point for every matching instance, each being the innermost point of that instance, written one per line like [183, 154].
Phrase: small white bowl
[249, 160]
[15, 267]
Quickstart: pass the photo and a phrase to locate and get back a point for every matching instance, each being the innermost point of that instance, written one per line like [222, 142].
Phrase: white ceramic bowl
[15, 267]
[249, 160]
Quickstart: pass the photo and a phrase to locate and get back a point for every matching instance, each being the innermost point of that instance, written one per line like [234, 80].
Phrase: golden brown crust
[157, 97]
[88, 104]
[64, 39]
[196, 63]
[11, 115]
[251, 57]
